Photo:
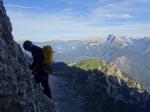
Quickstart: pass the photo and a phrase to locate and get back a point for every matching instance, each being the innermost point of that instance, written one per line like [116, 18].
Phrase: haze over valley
[130, 54]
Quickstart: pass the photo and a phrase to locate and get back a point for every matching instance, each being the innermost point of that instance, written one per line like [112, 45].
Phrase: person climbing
[39, 66]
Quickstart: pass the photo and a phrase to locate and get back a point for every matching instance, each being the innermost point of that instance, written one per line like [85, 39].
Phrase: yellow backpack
[48, 54]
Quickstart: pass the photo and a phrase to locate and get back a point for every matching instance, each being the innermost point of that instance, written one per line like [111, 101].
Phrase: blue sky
[42, 20]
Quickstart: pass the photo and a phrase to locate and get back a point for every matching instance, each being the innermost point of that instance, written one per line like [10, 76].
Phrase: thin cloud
[62, 24]
[21, 6]
[100, 20]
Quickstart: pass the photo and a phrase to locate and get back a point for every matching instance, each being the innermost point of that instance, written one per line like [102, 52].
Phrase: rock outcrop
[110, 70]
[79, 90]
[18, 91]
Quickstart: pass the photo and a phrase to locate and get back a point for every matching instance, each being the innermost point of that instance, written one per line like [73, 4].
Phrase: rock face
[80, 90]
[18, 91]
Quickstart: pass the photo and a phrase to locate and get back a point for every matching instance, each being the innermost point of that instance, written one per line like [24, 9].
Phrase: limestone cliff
[18, 91]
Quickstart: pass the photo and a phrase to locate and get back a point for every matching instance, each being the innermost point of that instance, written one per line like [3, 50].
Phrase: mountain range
[127, 53]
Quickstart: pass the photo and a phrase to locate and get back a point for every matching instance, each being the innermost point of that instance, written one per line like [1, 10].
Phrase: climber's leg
[37, 79]
[46, 87]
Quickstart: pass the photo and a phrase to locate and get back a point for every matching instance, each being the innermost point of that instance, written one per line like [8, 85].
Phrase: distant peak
[111, 38]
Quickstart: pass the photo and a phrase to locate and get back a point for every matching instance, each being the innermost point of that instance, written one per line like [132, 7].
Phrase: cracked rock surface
[18, 91]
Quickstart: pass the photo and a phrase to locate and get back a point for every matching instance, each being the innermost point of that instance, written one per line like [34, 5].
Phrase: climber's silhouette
[38, 66]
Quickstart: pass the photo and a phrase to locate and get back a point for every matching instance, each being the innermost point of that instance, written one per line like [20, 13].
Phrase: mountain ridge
[94, 91]
[109, 70]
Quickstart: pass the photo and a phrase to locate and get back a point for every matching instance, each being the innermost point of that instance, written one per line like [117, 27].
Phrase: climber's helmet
[27, 45]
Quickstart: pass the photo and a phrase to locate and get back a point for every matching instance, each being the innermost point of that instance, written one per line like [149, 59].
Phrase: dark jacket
[38, 57]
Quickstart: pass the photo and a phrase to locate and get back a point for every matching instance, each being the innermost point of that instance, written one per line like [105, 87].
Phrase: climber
[38, 66]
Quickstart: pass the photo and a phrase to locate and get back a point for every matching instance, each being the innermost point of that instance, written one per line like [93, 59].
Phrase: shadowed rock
[18, 91]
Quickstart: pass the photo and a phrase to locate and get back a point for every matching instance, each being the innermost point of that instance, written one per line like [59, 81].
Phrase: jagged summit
[111, 38]
[18, 91]
[118, 39]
